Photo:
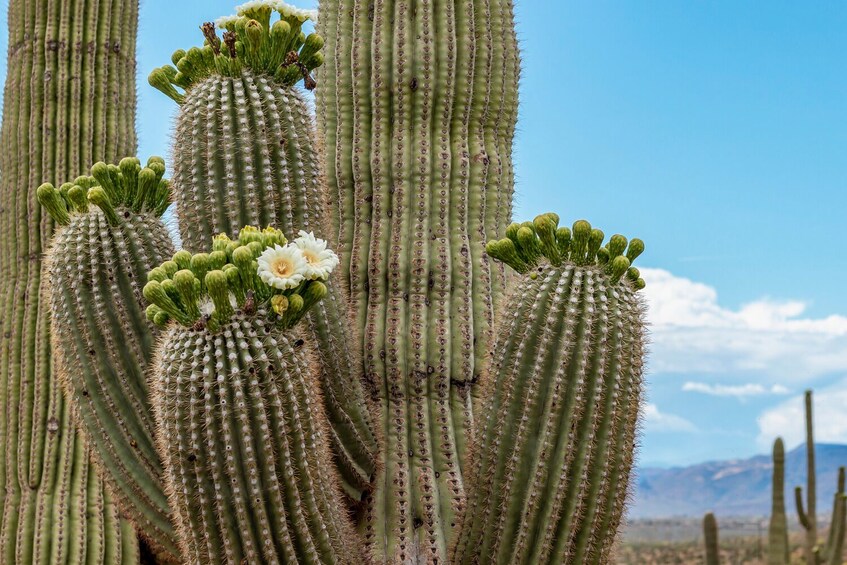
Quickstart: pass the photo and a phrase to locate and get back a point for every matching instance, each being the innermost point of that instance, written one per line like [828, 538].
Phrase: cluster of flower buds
[250, 42]
[258, 269]
[110, 187]
[526, 245]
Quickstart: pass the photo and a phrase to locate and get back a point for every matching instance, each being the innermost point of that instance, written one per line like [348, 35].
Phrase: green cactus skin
[808, 517]
[554, 445]
[710, 534]
[112, 236]
[241, 427]
[69, 102]
[778, 529]
[264, 170]
[417, 105]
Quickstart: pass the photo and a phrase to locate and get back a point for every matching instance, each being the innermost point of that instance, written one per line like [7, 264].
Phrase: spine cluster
[554, 446]
[111, 235]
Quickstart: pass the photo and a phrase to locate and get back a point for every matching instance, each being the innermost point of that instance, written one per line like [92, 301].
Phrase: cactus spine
[417, 109]
[778, 528]
[69, 102]
[263, 169]
[553, 449]
[710, 534]
[111, 236]
[241, 427]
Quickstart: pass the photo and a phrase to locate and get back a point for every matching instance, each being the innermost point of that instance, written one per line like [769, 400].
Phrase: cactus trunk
[111, 237]
[69, 101]
[778, 528]
[554, 448]
[245, 155]
[417, 106]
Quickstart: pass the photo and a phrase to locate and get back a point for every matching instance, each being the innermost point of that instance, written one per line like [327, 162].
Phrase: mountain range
[733, 488]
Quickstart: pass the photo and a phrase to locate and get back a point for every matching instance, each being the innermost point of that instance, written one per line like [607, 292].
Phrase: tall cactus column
[416, 105]
[245, 154]
[808, 517]
[69, 102]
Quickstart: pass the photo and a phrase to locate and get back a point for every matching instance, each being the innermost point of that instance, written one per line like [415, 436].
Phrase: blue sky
[716, 132]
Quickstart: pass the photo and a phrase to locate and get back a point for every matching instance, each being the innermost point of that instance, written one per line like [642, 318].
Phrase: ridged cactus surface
[550, 466]
[241, 426]
[416, 110]
[111, 236]
[245, 155]
[69, 101]
[778, 527]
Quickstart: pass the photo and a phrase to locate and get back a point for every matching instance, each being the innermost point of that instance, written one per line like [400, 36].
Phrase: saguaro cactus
[241, 427]
[416, 110]
[832, 551]
[808, 517]
[710, 535]
[69, 102]
[245, 154]
[554, 446]
[111, 236]
[778, 528]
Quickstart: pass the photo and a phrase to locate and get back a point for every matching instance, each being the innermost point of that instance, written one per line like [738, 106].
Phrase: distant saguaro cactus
[710, 536]
[778, 527]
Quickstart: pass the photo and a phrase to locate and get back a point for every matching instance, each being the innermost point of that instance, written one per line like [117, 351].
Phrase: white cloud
[656, 421]
[737, 391]
[787, 419]
[767, 341]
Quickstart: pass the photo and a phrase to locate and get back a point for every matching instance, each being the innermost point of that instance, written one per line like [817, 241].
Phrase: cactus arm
[83, 53]
[710, 533]
[100, 334]
[552, 456]
[264, 452]
[802, 517]
[839, 521]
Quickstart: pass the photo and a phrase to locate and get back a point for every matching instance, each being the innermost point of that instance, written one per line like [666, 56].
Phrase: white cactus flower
[320, 261]
[226, 22]
[282, 267]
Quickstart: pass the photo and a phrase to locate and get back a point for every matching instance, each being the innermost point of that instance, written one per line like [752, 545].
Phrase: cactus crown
[257, 269]
[528, 244]
[250, 41]
[126, 185]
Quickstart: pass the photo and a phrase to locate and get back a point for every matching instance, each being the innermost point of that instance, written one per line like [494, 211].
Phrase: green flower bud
[53, 202]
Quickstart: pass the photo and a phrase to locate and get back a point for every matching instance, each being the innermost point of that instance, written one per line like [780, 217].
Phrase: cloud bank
[769, 342]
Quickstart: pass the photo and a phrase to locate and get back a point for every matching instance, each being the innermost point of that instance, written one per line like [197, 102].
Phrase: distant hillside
[733, 488]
